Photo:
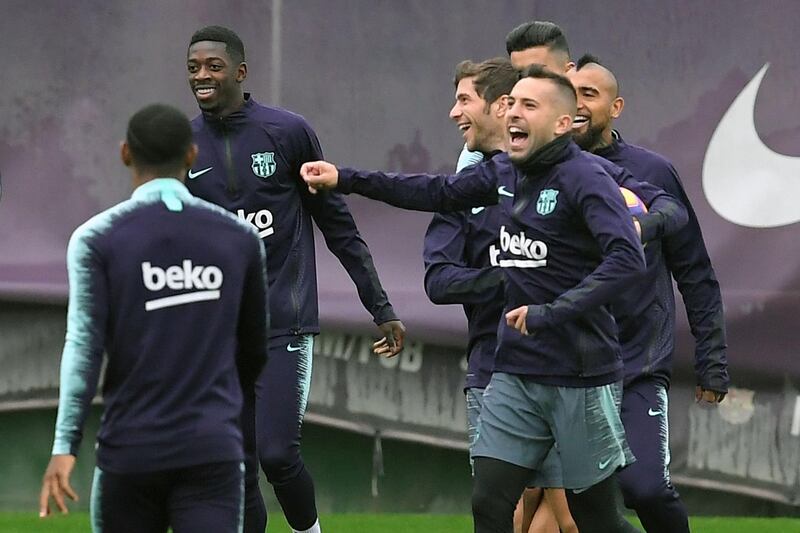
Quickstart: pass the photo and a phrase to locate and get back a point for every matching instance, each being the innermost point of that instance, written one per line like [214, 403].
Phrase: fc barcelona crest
[547, 201]
[264, 164]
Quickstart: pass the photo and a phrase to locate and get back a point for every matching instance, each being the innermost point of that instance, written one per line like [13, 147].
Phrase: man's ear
[191, 156]
[617, 106]
[563, 124]
[500, 106]
[125, 154]
[241, 72]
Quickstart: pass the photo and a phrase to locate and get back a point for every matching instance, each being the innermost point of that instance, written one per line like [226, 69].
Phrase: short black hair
[492, 78]
[564, 86]
[588, 59]
[159, 137]
[233, 44]
[537, 33]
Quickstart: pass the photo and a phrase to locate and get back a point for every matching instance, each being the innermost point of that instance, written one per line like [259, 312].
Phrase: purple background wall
[374, 79]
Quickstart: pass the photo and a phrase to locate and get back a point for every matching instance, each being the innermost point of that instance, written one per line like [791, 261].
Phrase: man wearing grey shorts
[567, 247]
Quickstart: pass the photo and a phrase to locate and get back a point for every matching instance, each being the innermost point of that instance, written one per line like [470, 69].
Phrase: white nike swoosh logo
[654, 413]
[193, 175]
[290, 348]
[503, 192]
[744, 181]
[603, 464]
[476, 210]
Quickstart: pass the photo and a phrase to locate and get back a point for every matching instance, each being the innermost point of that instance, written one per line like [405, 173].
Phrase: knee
[644, 492]
[280, 463]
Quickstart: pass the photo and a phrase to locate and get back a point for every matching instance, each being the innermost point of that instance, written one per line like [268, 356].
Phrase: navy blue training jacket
[249, 163]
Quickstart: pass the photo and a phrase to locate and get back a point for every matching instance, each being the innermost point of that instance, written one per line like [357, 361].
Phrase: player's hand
[708, 396]
[394, 333]
[516, 319]
[319, 175]
[55, 484]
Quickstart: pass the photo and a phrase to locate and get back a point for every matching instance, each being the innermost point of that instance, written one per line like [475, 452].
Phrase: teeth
[580, 119]
[514, 129]
[463, 127]
[204, 91]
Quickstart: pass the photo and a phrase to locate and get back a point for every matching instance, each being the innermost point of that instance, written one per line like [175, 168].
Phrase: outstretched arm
[474, 186]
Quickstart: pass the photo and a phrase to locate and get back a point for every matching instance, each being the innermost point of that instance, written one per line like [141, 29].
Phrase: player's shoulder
[581, 163]
[101, 224]
[278, 117]
[646, 157]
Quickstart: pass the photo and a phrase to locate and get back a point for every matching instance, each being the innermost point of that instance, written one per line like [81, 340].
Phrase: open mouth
[204, 92]
[517, 137]
[579, 121]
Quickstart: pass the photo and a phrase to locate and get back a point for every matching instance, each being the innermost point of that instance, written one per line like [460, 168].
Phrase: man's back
[166, 281]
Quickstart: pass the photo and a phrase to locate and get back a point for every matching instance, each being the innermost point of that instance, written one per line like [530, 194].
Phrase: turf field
[393, 523]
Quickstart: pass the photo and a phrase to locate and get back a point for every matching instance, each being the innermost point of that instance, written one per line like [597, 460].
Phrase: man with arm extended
[249, 163]
[567, 247]
[174, 290]
[646, 314]
[458, 265]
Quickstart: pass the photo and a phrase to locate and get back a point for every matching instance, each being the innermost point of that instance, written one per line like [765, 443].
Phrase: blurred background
[374, 78]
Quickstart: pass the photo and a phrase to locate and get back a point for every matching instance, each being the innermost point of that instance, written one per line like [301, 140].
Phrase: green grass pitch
[392, 523]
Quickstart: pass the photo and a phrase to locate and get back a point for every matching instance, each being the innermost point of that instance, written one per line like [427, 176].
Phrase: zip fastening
[233, 181]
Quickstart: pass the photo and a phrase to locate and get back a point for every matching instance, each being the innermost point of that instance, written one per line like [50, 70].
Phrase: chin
[516, 157]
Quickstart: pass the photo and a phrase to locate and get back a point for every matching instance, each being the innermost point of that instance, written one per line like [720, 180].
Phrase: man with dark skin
[174, 290]
[249, 163]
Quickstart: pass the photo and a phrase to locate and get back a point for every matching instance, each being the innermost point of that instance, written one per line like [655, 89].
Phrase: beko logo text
[203, 281]
[261, 219]
[534, 252]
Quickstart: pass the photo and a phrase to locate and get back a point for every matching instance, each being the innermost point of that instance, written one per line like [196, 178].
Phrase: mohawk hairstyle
[588, 59]
[233, 44]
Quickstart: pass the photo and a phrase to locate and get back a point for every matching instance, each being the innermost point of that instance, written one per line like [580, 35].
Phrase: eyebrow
[210, 58]
[591, 88]
[524, 99]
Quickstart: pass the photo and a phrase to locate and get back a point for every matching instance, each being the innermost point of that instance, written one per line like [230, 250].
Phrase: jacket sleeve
[334, 220]
[448, 278]
[687, 258]
[607, 218]
[87, 315]
[472, 187]
[253, 328]
[665, 213]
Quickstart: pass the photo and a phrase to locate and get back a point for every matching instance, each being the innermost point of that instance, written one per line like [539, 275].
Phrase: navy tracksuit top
[249, 163]
[567, 247]
[173, 289]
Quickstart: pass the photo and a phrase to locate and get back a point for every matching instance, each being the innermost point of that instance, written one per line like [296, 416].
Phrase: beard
[590, 139]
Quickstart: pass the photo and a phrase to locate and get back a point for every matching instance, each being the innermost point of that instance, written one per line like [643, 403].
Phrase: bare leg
[556, 501]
